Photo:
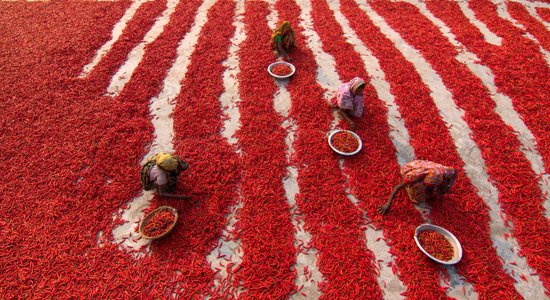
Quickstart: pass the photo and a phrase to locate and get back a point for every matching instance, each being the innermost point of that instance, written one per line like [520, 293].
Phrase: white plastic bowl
[345, 153]
[281, 63]
[457, 255]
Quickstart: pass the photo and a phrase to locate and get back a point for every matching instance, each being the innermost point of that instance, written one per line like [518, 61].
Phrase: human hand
[384, 209]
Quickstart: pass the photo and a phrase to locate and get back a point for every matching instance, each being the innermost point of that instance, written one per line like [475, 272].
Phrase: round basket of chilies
[281, 70]
[438, 243]
[345, 142]
[158, 223]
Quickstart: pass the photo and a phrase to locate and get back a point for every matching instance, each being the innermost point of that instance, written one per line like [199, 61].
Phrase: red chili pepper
[436, 244]
[344, 141]
[281, 70]
[158, 223]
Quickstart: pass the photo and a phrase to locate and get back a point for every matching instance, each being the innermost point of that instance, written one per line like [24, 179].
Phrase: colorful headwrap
[285, 32]
[284, 27]
[356, 83]
[167, 162]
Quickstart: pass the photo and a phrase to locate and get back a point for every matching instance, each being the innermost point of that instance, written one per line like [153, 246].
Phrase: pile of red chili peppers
[344, 141]
[158, 223]
[88, 146]
[281, 70]
[436, 244]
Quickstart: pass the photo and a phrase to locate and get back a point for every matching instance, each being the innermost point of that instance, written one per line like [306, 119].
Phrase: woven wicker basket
[148, 217]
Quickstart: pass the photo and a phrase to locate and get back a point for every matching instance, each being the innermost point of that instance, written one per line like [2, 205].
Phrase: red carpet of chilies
[70, 155]
[213, 172]
[264, 225]
[373, 188]
[544, 13]
[520, 13]
[133, 34]
[521, 200]
[334, 222]
[524, 78]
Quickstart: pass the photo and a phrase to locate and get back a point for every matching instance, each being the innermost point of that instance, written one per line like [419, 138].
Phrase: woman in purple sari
[350, 101]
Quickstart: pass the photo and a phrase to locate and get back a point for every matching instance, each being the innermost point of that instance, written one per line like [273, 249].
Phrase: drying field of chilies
[89, 90]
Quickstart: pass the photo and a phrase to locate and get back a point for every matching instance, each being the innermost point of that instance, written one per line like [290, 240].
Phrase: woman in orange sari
[423, 180]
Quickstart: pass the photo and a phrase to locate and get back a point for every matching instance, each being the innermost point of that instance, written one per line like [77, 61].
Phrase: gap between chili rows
[522, 77]
[132, 35]
[533, 26]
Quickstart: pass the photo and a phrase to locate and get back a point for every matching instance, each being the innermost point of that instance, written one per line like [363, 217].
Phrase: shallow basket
[148, 217]
[281, 63]
[345, 153]
[457, 255]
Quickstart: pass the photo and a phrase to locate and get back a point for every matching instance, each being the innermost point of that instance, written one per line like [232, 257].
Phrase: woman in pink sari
[350, 101]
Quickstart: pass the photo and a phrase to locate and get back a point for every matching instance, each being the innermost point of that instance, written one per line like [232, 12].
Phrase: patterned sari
[284, 35]
[427, 179]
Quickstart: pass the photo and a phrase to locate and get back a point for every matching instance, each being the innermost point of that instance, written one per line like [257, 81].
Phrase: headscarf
[167, 162]
[172, 164]
[284, 27]
[356, 83]
[287, 36]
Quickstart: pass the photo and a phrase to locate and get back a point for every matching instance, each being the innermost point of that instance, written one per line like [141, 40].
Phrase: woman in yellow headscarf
[283, 40]
[161, 171]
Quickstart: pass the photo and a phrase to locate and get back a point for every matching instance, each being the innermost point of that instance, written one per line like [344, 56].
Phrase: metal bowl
[148, 217]
[345, 153]
[457, 255]
[281, 63]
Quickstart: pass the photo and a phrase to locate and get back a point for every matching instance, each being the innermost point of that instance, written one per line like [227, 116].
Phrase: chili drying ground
[87, 147]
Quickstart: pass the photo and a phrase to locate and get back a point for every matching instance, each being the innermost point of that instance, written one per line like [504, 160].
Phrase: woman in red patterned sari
[423, 180]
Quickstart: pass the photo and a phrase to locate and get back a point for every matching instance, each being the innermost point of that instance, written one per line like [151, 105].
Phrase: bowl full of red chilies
[345, 142]
[158, 223]
[281, 70]
[438, 244]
